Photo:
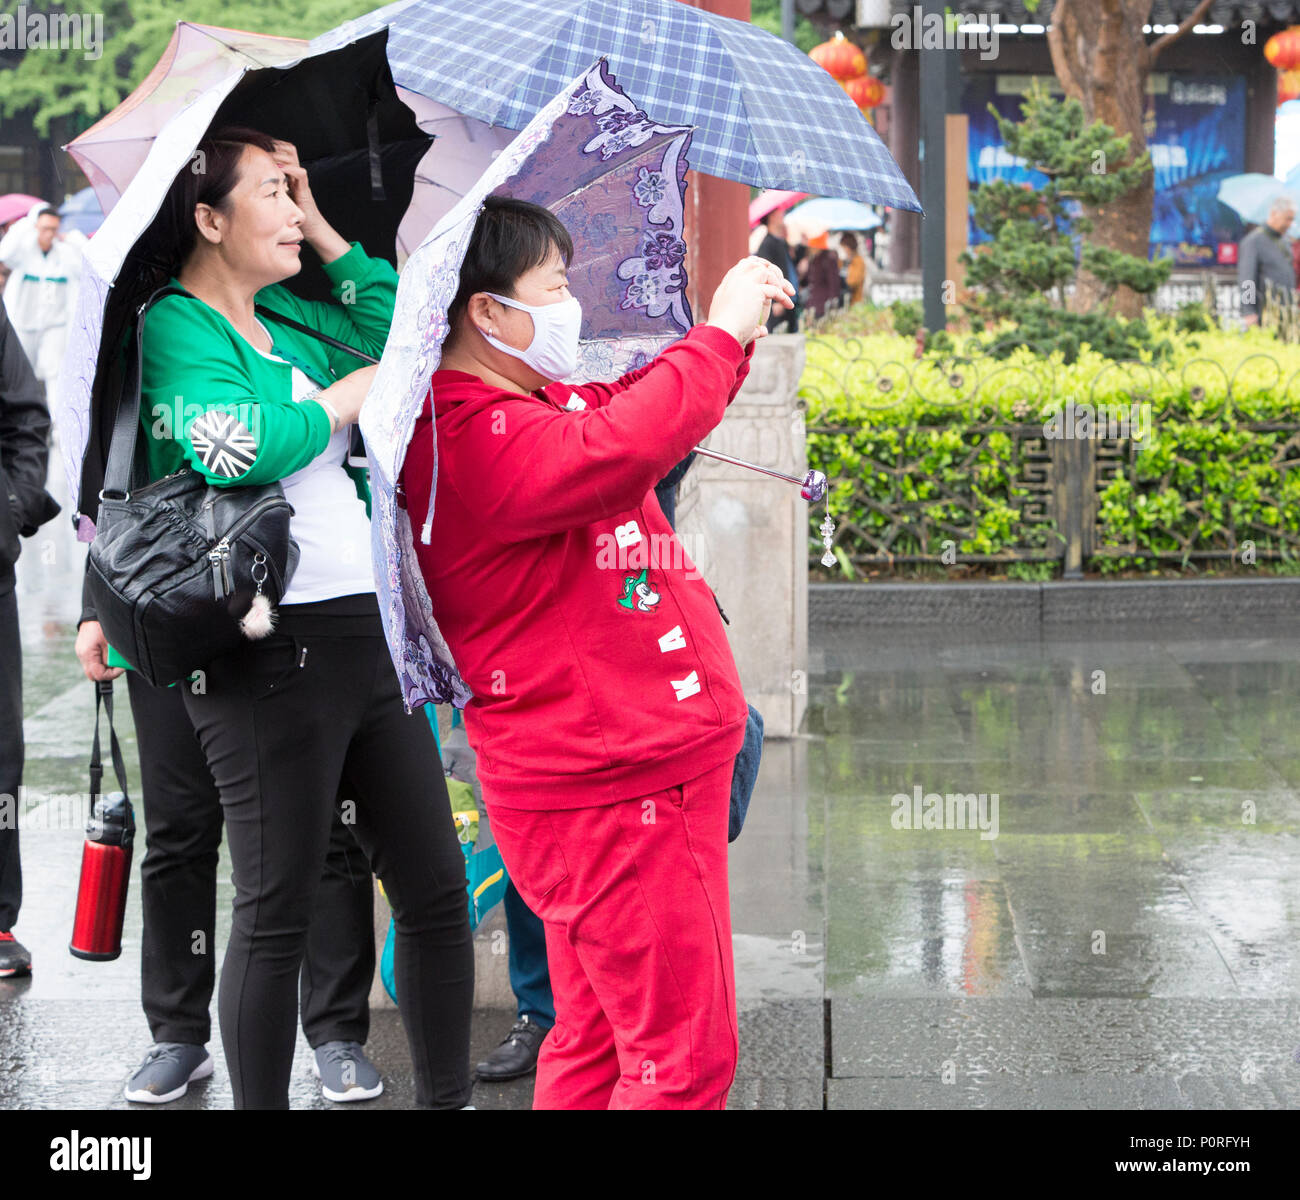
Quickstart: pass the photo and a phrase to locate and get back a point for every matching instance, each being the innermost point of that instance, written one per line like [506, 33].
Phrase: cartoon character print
[639, 594]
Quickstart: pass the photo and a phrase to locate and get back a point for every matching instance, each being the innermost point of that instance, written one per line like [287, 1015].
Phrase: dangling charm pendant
[260, 618]
[828, 537]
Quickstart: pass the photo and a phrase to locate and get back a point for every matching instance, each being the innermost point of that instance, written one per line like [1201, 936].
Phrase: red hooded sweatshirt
[598, 660]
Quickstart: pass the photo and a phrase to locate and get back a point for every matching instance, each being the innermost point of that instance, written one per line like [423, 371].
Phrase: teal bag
[485, 871]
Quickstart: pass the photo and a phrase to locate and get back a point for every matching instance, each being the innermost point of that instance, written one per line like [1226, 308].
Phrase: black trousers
[178, 879]
[290, 724]
[11, 759]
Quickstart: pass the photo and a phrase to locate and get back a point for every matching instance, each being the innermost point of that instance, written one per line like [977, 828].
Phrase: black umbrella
[358, 142]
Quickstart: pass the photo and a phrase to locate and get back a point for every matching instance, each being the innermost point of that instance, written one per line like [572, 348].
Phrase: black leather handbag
[176, 564]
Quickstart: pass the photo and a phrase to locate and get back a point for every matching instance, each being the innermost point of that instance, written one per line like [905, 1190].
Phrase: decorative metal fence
[1074, 490]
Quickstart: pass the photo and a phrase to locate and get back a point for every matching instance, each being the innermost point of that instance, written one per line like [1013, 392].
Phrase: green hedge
[936, 439]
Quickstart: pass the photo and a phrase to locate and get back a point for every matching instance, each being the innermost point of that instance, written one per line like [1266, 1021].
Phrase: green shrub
[908, 316]
[931, 447]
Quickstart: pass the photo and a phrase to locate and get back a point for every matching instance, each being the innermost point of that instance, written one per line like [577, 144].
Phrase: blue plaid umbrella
[764, 113]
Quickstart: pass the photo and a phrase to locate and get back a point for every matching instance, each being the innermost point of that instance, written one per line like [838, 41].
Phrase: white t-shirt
[329, 520]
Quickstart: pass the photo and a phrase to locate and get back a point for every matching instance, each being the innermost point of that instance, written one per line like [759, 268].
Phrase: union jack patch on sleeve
[223, 444]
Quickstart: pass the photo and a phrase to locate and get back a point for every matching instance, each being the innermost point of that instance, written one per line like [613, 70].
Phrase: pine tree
[1040, 238]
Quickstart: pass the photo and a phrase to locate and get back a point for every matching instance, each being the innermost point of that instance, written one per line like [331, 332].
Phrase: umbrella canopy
[81, 212]
[818, 216]
[360, 145]
[616, 178]
[15, 205]
[1250, 197]
[769, 201]
[764, 113]
[113, 149]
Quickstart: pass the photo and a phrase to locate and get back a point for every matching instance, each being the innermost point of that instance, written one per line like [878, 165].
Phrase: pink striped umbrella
[112, 150]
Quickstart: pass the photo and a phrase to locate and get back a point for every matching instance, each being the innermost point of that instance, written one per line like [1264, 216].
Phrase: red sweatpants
[638, 937]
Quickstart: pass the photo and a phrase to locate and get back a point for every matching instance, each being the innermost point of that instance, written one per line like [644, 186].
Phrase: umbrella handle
[812, 486]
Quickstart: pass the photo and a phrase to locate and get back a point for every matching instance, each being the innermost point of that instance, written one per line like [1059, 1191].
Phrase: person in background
[823, 277]
[776, 250]
[41, 291]
[1264, 260]
[799, 255]
[855, 268]
[25, 506]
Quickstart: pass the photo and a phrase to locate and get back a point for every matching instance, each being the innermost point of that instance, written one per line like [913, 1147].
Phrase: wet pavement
[1112, 925]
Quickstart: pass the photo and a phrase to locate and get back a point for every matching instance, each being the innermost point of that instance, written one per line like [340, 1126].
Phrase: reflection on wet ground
[1127, 939]
[994, 872]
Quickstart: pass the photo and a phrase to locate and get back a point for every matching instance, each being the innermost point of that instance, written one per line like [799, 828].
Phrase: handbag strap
[126, 425]
[316, 333]
[104, 699]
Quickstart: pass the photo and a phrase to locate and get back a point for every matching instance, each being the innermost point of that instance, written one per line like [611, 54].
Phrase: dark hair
[207, 178]
[48, 211]
[767, 218]
[510, 239]
[848, 241]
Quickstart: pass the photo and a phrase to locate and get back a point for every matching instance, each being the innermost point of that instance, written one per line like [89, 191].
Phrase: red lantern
[840, 57]
[866, 91]
[1283, 49]
[1288, 86]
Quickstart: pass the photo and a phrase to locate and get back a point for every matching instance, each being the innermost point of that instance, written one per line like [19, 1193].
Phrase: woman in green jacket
[310, 716]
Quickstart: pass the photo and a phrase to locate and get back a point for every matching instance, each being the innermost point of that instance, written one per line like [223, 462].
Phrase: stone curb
[837, 606]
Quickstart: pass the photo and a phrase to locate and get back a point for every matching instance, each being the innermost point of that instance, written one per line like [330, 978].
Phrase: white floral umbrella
[616, 178]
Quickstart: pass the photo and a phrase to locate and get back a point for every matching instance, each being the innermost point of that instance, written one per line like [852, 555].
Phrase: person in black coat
[25, 506]
[776, 250]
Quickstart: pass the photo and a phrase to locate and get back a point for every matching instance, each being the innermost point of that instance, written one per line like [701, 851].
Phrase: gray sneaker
[168, 1069]
[345, 1073]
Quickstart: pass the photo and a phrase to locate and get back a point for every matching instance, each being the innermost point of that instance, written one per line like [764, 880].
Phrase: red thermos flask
[106, 856]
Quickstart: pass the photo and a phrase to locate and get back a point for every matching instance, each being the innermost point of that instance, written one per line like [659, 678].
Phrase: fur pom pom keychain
[259, 620]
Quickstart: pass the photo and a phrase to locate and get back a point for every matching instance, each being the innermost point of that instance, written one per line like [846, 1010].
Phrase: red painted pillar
[717, 210]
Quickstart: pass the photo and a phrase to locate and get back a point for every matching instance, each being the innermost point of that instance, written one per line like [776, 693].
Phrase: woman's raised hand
[744, 299]
[319, 233]
[286, 158]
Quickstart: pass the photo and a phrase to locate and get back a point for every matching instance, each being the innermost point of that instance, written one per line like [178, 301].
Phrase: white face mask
[553, 352]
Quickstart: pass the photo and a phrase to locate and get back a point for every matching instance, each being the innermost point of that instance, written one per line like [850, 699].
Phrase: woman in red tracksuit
[607, 711]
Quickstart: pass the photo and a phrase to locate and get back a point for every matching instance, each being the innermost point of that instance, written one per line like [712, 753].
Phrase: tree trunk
[1100, 57]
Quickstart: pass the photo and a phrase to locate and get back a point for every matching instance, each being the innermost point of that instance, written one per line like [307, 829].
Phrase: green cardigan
[195, 361]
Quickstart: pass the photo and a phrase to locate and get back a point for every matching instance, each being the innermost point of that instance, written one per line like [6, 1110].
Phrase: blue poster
[1196, 133]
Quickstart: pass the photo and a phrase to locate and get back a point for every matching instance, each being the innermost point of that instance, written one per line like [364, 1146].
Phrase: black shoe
[517, 1055]
[14, 959]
